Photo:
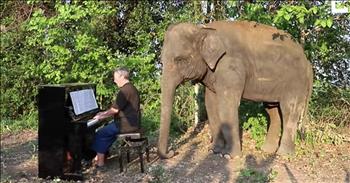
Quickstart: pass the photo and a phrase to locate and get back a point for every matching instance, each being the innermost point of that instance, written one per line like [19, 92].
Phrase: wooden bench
[133, 141]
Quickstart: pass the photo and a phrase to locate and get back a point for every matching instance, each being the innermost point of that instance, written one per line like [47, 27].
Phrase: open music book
[83, 101]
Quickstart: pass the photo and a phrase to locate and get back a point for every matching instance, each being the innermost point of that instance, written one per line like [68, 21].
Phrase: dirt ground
[193, 163]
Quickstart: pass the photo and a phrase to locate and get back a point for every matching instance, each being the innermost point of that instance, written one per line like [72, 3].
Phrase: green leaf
[301, 20]
[317, 22]
[314, 10]
[287, 17]
[329, 22]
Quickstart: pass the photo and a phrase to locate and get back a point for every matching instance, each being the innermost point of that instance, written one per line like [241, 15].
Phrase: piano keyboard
[92, 122]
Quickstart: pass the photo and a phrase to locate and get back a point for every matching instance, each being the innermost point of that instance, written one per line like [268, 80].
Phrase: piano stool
[132, 141]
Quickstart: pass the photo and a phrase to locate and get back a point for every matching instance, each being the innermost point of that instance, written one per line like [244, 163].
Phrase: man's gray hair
[122, 71]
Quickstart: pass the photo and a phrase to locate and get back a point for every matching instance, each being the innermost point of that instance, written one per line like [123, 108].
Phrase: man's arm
[105, 114]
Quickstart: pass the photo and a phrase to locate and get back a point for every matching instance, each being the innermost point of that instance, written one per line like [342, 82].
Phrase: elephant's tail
[304, 117]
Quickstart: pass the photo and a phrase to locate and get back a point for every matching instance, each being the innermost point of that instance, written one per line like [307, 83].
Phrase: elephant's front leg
[229, 124]
[231, 74]
[211, 106]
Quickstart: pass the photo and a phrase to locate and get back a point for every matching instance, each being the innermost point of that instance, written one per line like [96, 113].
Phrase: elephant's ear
[212, 47]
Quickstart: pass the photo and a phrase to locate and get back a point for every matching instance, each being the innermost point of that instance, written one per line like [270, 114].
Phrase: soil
[193, 163]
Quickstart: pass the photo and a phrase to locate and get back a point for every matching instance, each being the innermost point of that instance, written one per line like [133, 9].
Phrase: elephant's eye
[180, 59]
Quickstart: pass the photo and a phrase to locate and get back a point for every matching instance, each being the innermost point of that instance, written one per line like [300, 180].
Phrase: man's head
[121, 76]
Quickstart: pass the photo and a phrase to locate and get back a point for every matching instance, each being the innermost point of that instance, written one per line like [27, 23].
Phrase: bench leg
[121, 160]
[147, 149]
[147, 154]
[128, 155]
[141, 159]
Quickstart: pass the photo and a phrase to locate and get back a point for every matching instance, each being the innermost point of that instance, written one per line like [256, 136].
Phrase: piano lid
[67, 85]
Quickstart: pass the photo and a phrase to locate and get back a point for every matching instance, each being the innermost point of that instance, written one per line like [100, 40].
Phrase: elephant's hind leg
[213, 118]
[292, 110]
[273, 134]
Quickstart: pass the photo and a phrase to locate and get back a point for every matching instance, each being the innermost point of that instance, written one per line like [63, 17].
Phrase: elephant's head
[188, 53]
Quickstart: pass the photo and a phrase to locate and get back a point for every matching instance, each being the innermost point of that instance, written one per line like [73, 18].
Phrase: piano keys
[66, 129]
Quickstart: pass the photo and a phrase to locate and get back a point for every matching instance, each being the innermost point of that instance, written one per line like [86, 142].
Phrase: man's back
[128, 102]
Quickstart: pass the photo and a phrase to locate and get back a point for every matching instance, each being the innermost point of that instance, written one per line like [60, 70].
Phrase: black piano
[66, 128]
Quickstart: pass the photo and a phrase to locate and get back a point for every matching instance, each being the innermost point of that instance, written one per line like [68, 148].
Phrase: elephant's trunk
[167, 99]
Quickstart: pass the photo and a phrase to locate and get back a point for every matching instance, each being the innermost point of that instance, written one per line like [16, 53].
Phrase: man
[126, 112]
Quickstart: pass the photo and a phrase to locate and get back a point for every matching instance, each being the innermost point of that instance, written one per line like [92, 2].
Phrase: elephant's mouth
[193, 82]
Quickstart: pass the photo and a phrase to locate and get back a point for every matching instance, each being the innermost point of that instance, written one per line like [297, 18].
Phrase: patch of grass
[322, 131]
[329, 115]
[26, 122]
[158, 174]
[251, 175]
[5, 178]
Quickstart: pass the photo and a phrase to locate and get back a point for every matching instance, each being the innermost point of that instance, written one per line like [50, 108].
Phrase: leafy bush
[83, 42]
[325, 133]
[330, 104]
[183, 108]
[257, 127]
[329, 112]
[253, 119]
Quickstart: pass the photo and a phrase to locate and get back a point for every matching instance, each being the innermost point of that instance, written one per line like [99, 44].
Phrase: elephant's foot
[270, 147]
[231, 155]
[213, 151]
[216, 149]
[285, 149]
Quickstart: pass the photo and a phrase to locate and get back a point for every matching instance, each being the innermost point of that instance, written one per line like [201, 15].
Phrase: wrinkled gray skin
[236, 60]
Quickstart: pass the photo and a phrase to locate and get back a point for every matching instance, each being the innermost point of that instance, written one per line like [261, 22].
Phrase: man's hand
[101, 115]
[106, 114]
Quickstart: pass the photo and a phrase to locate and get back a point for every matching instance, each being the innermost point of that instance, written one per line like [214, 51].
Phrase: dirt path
[193, 163]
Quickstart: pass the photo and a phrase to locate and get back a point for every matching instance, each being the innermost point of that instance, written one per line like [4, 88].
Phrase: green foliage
[66, 47]
[329, 113]
[184, 108]
[324, 133]
[257, 127]
[158, 174]
[256, 12]
[83, 42]
[27, 122]
[251, 175]
[253, 119]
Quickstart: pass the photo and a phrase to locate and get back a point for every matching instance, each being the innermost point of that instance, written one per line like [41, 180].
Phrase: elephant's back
[245, 25]
[254, 32]
[258, 39]
[263, 46]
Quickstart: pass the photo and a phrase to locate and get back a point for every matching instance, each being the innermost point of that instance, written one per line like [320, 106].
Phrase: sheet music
[83, 101]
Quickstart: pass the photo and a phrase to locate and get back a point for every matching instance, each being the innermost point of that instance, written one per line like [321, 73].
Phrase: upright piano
[66, 128]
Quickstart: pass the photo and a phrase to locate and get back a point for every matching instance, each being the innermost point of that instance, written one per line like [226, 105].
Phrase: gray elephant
[236, 60]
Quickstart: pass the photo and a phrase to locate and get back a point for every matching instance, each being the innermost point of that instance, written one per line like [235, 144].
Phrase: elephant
[237, 60]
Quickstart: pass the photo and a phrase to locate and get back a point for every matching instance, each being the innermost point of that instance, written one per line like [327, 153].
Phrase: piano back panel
[57, 132]
[52, 124]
